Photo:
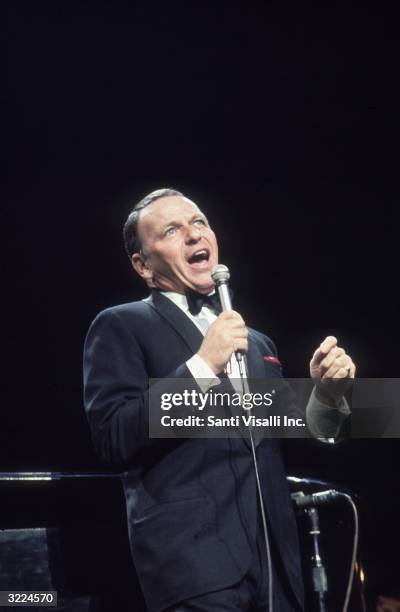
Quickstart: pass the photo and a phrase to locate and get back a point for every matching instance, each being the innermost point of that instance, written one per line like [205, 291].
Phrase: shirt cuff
[202, 372]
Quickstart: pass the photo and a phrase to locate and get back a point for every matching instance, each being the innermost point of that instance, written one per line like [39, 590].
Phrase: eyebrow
[192, 218]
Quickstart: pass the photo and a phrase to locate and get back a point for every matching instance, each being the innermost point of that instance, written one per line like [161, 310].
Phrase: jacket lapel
[177, 319]
[255, 369]
[254, 358]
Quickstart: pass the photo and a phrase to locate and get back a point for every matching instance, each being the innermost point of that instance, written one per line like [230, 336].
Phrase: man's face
[179, 249]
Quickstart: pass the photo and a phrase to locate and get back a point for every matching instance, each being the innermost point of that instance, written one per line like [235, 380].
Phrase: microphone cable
[220, 276]
[243, 378]
[354, 551]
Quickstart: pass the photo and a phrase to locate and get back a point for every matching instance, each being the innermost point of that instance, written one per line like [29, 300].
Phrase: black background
[280, 120]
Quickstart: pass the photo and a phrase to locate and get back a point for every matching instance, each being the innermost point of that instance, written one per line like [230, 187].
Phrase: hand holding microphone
[224, 337]
[228, 334]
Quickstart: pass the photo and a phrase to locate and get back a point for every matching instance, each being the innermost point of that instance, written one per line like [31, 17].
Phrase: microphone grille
[220, 274]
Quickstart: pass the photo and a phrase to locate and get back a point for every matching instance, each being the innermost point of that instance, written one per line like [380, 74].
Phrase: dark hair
[131, 237]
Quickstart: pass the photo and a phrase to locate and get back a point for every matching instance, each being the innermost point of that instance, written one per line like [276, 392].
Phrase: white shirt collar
[180, 300]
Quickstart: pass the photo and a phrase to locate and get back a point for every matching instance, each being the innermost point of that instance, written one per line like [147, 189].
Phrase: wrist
[208, 362]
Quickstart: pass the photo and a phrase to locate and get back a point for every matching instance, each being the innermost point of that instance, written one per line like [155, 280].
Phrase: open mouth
[199, 258]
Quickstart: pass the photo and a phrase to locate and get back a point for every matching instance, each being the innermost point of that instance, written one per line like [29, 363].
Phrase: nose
[193, 234]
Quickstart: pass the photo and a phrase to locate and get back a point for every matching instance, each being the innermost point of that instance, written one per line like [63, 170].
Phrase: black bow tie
[196, 301]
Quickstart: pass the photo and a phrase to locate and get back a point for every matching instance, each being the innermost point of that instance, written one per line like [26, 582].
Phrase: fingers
[335, 354]
[341, 368]
[240, 332]
[240, 344]
[225, 336]
[328, 344]
[331, 361]
[324, 348]
[229, 314]
[233, 322]
[240, 341]
[352, 371]
[232, 316]
[338, 365]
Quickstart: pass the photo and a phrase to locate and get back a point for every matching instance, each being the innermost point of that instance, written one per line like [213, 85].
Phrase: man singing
[194, 521]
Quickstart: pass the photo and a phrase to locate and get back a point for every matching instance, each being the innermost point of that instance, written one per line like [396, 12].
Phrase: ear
[140, 265]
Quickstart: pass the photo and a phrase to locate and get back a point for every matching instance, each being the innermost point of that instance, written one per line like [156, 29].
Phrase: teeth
[198, 254]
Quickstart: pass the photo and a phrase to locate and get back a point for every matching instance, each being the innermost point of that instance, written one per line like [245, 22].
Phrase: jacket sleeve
[325, 422]
[328, 423]
[116, 391]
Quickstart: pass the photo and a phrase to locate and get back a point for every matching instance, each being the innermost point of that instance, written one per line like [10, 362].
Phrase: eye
[200, 222]
[170, 231]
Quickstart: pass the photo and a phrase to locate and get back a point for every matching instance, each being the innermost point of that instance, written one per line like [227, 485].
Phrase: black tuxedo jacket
[191, 503]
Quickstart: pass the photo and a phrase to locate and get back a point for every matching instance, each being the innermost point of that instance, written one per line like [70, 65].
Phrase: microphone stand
[319, 578]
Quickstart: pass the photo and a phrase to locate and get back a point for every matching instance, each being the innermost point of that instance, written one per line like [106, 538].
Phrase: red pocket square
[272, 359]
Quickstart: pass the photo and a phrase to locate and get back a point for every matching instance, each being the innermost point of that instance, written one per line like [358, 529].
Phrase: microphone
[220, 276]
[315, 499]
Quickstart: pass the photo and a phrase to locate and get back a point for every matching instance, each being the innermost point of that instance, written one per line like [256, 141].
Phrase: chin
[204, 287]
